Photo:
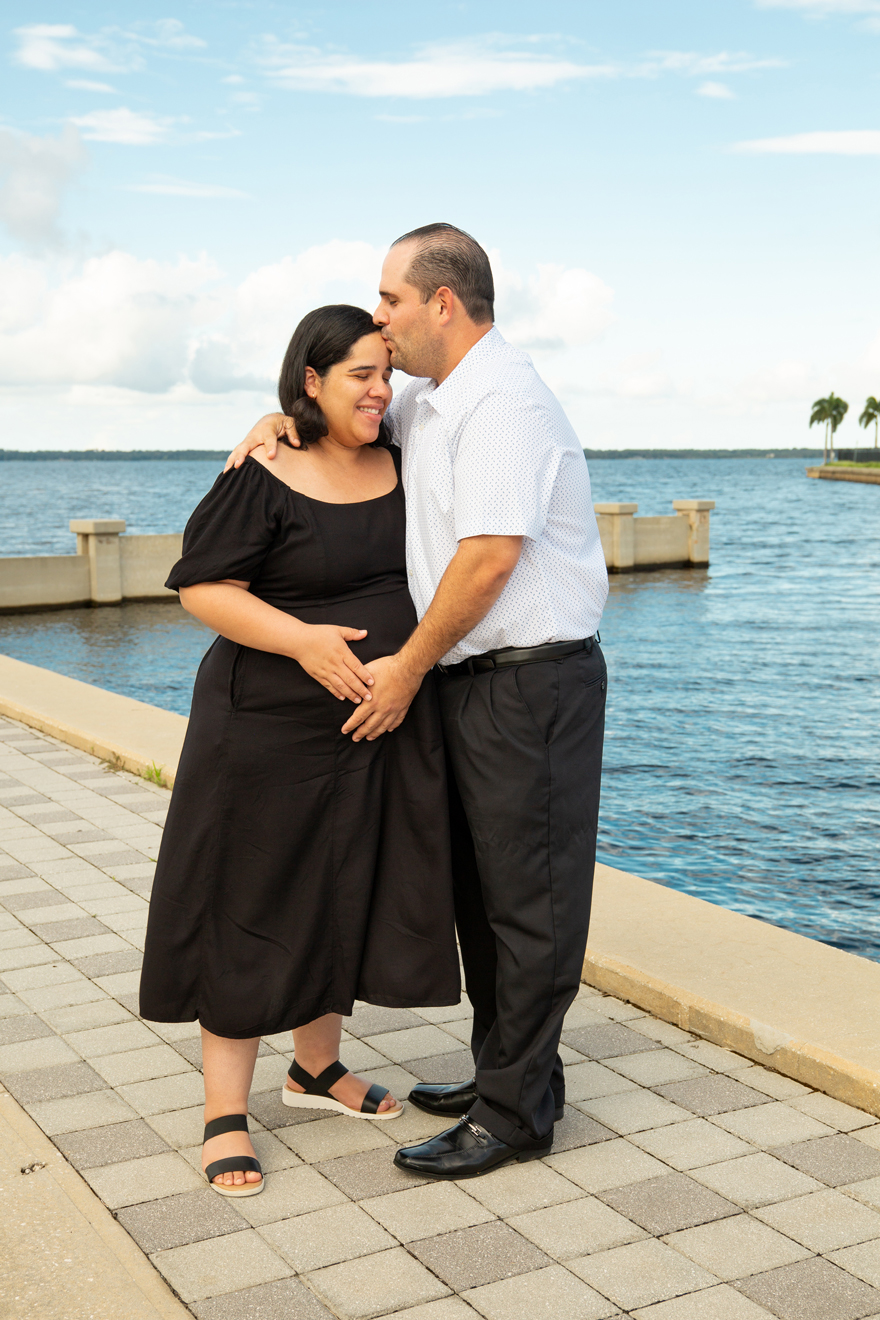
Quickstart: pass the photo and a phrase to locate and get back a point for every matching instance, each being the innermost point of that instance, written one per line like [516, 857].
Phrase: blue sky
[680, 200]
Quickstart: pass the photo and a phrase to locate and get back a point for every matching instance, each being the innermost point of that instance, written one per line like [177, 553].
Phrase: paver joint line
[744, 1174]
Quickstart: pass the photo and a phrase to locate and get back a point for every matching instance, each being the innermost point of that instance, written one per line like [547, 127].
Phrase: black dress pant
[525, 750]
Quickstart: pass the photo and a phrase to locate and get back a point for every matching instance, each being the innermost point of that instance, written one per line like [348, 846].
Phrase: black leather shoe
[465, 1151]
[452, 1098]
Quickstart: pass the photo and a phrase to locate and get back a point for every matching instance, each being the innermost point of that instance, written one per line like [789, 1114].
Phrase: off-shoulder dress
[299, 870]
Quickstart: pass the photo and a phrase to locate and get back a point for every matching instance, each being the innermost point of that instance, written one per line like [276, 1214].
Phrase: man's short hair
[446, 257]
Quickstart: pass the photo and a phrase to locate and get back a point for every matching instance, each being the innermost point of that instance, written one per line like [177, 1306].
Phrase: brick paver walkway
[685, 1183]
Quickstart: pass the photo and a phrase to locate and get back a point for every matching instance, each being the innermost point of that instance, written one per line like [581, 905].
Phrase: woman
[300, 870]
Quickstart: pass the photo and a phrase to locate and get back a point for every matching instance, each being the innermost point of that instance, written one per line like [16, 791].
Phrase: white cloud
[473, 68]
[639, 376]
[716, 91]
[115, 320]
[786, 381]
[262, 312]
[169, 32]
[132, 127]
[695, 65]
[51, 47]
[34, 172]
[478, 67]
[151, 327]
[84, 85]
[820, 8]
[54, 46]
[847, 142]
[556, 307]
[185, 188]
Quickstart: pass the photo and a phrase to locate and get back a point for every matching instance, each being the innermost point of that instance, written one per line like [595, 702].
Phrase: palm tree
[871, 413]
[831, 411]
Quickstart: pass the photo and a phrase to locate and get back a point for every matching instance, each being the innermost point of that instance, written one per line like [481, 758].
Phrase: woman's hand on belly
[322, 651]
[229, 608]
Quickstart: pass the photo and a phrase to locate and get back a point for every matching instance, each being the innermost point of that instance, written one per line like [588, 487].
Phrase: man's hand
[266, 433]
[395, 685]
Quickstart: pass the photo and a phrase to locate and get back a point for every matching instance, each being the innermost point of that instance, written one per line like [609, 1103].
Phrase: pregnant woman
[299, 870]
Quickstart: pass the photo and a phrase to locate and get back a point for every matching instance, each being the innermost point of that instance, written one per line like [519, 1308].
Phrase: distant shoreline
[215, 455]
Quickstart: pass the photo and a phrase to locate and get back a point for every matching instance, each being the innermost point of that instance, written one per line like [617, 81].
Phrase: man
[508, 577]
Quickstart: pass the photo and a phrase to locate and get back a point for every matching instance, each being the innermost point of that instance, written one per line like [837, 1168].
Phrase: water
[40, 498]
[742, 750]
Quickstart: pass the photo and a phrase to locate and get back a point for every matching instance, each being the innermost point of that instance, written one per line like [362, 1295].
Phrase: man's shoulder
[512, 383]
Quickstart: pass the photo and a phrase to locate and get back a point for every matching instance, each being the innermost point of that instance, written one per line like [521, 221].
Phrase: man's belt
[517, 655]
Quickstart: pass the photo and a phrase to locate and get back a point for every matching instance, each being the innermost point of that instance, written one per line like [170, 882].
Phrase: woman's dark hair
[322, 338]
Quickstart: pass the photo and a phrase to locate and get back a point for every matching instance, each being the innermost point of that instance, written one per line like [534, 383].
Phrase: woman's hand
[266, 433]
[229, 608]
[323, 654]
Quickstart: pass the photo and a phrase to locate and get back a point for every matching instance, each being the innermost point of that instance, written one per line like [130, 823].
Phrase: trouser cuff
[501, 1127]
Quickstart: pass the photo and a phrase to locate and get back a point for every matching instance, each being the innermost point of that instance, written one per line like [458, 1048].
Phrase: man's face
[405, 321]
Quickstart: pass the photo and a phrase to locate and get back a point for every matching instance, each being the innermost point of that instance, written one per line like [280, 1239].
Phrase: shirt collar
[483, 351]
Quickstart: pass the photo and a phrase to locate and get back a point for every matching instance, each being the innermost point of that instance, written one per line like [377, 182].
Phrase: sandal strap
[373, 1099]
[230, 1123]
[233, 1164]
[321, 1084]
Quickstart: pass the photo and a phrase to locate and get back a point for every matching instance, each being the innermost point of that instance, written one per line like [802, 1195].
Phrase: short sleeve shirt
[490, 452]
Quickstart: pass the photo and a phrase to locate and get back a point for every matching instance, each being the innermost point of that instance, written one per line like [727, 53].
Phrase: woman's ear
[312, 382]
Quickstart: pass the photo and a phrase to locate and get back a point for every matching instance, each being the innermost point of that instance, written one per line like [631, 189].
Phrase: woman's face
[354, 394]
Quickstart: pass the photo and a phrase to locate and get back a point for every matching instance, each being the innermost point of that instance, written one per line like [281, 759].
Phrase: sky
[680, 201]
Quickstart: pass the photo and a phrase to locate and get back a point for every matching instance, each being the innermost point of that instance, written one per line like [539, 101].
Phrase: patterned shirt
[490, 452]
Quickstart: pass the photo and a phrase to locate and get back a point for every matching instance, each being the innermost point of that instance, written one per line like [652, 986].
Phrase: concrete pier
[111, 566]
[108, 567]
[866, 475]
[641, 544]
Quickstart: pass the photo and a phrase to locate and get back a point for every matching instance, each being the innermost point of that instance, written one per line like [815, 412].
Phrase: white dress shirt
[491, 453]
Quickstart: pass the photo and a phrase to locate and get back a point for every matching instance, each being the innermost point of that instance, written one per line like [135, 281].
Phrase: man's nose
[380, 317]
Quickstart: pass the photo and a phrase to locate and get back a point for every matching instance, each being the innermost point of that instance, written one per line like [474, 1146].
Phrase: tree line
[831, 412]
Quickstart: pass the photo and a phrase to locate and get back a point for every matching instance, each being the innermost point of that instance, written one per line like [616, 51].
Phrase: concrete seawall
[110, 566]
[129, 734]
[805, 1009]
[869, 476]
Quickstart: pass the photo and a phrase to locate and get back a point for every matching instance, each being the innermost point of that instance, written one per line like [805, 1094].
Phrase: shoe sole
[243, 1189]
[299, 1100]
[517, 1157]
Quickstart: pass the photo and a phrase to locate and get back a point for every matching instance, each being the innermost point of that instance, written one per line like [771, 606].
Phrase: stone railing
[108, 567]
[678, 541]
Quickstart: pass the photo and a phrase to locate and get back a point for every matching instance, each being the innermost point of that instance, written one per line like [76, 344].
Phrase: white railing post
[697, 513]
[99, 539]
[621, 545]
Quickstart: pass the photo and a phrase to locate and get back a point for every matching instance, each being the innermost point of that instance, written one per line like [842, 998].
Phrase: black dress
[300, 870]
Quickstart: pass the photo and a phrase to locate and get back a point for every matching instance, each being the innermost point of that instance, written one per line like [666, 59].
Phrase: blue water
[742, 759]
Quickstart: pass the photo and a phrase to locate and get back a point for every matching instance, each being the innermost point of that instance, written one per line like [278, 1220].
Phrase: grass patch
[857, 466]
[153, 774]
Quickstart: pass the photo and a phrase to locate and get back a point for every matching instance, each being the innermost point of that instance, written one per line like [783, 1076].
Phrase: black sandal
[316, 1094]
[232, 1163]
